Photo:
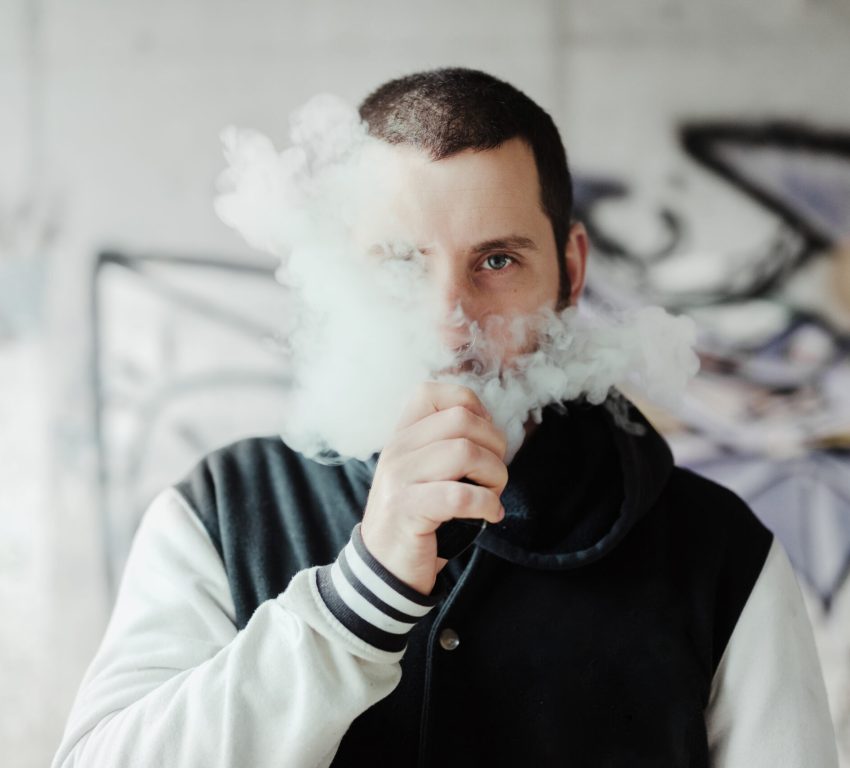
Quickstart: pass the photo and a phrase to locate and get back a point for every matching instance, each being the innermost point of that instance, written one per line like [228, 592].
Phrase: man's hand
[444, 436]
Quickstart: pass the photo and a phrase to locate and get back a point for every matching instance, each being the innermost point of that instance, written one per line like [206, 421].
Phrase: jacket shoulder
[271, 512]
[238, 474]
[711, 504]
[724, 541]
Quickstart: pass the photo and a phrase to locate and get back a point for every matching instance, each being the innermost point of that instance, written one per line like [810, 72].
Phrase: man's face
[488, 246]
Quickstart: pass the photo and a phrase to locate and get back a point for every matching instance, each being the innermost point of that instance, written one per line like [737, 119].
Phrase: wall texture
[109, 139]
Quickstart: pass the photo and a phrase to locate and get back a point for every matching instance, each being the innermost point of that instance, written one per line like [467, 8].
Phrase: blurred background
[710, 144]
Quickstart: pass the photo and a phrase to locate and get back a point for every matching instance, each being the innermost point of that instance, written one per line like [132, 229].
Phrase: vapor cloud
[365, 327]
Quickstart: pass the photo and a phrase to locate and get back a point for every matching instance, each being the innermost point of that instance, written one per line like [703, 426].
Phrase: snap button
[449, 639]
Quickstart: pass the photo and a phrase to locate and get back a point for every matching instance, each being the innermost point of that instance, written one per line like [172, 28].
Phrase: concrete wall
[111, 111]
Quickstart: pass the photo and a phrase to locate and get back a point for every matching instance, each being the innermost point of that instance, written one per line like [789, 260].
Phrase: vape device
[456, 535]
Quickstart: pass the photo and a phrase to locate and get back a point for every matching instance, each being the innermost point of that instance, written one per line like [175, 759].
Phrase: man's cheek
[509, 337]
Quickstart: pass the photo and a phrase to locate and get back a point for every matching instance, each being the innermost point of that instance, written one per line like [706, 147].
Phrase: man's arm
[174, 684]
[768, 704]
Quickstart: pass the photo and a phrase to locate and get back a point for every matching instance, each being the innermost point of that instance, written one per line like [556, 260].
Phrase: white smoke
[582, 354]
[366, 328]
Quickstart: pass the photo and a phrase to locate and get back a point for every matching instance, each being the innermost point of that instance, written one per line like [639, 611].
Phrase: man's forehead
[460, 201]
[467, 170]
[501, 178]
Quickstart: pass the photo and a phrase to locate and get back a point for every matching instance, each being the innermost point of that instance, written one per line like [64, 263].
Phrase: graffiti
[769, 414]
[185, 360]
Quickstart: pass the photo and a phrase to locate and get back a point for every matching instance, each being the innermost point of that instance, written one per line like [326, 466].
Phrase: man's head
[483, 163]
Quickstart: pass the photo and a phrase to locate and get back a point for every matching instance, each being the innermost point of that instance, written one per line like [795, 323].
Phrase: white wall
[111, 111]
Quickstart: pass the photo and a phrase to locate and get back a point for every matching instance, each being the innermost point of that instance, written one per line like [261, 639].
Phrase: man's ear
[576, 259]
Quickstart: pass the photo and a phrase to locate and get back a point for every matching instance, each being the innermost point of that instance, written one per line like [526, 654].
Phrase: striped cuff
[370, 601]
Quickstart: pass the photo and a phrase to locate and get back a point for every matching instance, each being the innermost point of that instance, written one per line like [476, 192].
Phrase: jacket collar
[579, 484]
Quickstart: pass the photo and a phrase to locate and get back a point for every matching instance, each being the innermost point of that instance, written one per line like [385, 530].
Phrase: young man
[622, 612]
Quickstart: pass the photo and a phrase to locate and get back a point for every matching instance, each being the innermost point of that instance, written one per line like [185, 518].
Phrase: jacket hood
[577, 485]
[580, 482]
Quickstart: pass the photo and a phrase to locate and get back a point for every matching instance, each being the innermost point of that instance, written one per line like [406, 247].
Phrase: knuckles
[457, 393]
[462, 419]
[465, 450]
[459, 496]
[469, 400]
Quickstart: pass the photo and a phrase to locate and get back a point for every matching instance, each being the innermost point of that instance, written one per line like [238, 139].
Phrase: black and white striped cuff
[370, 601]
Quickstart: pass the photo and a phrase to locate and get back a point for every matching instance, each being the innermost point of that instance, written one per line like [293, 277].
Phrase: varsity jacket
[626, 612]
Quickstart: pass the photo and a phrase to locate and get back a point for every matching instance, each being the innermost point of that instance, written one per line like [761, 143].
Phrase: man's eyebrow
[509, 242]
[505, 243]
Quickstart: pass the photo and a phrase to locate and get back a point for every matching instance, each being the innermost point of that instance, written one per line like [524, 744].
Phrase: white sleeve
[768, 705]
[174, 684]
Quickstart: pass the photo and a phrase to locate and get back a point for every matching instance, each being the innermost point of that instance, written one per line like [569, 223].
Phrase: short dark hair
[445, 111]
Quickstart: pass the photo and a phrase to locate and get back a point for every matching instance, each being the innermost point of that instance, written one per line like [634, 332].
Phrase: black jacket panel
[591, 619]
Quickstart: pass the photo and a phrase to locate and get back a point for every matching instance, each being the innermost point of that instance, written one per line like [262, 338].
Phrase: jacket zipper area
[422, 761]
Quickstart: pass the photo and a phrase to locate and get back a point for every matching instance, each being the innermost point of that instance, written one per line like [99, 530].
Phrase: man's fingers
[433, 396]
[439, 501]
[456, 459]
[453, 422]
[445, 435]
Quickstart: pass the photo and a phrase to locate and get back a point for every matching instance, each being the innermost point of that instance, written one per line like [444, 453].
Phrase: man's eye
[497, 261]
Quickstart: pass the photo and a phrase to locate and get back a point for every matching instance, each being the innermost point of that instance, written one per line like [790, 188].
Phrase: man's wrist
[368, 600]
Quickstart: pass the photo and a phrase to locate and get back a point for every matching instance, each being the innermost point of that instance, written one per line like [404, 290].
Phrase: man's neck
[530, 426]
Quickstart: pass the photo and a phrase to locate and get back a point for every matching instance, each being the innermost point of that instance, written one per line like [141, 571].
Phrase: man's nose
[453, 308]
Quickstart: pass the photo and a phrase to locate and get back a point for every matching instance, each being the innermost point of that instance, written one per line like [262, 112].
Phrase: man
[617, 611]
